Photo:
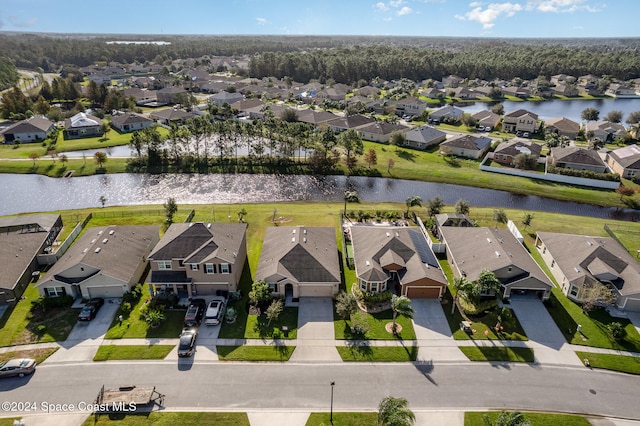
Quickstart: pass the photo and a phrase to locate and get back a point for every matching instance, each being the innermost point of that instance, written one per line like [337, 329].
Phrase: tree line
[8, 73]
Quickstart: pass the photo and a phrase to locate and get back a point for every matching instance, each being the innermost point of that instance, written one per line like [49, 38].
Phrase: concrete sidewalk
[315, 341]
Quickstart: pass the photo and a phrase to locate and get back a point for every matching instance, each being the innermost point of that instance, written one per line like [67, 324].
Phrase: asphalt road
[251, 386]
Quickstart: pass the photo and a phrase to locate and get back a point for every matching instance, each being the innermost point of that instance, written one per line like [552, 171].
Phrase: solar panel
[423, 250]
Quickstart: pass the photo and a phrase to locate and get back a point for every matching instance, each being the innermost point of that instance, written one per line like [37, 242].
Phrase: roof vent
[388, 234]
[304, 230]
[576, 269]
[368, 263]
[209, 225]
[293, 232]
[97, 250]
[100, 233]
[293, 239]
[93, 241]
[85, 250]
[105, 241]
[497, 253]
[590, 243]
[304, 239]
[112, 232]
[397, 234]
[489, 240]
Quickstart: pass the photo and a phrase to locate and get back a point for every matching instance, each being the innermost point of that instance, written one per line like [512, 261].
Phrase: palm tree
[413, 200]
[350, 196]
[462, 207]
[400, 305]
[395, 412]
[507, 418]
[464, 288]
[500, 217]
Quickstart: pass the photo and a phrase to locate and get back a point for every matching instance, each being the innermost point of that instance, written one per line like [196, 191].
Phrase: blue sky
[513, 18]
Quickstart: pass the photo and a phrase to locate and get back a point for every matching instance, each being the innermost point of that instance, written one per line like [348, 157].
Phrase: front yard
[129, 352]
[497, 353]
[377, 327]
[255, 353]
[366, 353]
[626, 364]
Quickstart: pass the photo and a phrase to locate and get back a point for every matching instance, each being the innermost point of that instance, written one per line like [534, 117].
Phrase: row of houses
[200, 259]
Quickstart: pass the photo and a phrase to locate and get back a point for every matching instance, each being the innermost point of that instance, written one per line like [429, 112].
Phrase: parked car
[526, 135]
[90, 309]
[215, 311]
[187, 342]
[17, 367]
[481, 128]
[195, 312]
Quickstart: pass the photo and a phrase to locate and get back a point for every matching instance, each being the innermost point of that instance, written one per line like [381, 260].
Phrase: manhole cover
[592, 391]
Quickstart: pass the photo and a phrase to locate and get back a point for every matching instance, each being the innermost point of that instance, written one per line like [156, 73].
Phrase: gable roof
[605, 126]
[520, 113]
[199, 242]
[129, 118]
[379, 248]
[32, 124]
[82, 119]
[446, 111]
[628, 157]
[351, 122]
[582, 257]
[477, 249]
[486, 115]
[382, 128]
[576, 155]
[171, 114]
[305, 254]
[476, 143]
[518, 146]
[424, 134]
[115, 251]
[563, 124]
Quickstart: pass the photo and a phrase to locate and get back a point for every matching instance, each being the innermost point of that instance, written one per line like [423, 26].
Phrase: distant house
[167, 96]
[34, 129]
[506, 152]
[576, 261]
[341, 124]
[171, 116]
[563, 127]
[569, 90]
[604, 130]
[576, 158]
[22, 239]
[396, 258]
[82, 125]
[432, 93]
[517, 91]
[424, 136]
[625, 161]
[317, 118]
[463, 93]
[300, 261]
[620, 91]
[199, 258]
[520, 121]
[468, 146]
[104, 262]
[446, 114]
[410, 106]
[380, 131]
[225, 97]
[562, 79]
[368, 91]
[487, 119]
[452, 81]
[130, 122]
[470, 250]
[330, 94]
[142, 97]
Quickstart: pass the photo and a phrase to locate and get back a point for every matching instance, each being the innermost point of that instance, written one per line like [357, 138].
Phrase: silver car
[17, 367]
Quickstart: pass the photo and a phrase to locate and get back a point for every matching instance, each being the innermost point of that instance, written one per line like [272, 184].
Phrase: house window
[225, 268]
[574, 291]
[363, 285]
[194, 266]
[273, 288]
[553, 263]
[55, 291]
[544, 250]
[383, 286]
[374, 287]
[164, 264]
[509, 269]
[181, 262]
[210, 268]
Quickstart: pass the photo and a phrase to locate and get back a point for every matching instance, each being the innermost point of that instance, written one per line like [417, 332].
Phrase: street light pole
[331, 412]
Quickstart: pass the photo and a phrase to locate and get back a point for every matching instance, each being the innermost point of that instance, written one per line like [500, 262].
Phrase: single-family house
[142, 97]
[252, 108]
[199, 258]
[563, 127]
[368, 92]
[167, 95]
[446, 114]
[606, 131]
[170, 116]
[22, 239]
[341, 124]
[562, 79]
[423, 137]
[432, 93]
[470, 250]
[330, 94]
[130, 122]
[105, 261]
[380, 131]
[520, 121]
[578, 261]
[486, 119]
[506, 152]
[317, 118]
[452, 81]
[618, 90]
[398, 259]
[225, 97]
[410, 106]
[577, 158]
[521, 91]
[625, 161]
[82, 125]
[463, 93]
[467, 146]
[33, 129]
[300, 261]
[569, 90]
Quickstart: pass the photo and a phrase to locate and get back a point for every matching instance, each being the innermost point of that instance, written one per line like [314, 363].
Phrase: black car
[90, 309]
[194, 314]
[187, 342]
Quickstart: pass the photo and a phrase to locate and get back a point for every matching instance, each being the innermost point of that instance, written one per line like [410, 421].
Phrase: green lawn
[115, 352]
[497, 353]
[134, 328]
[255, 353]
[378, 353]
[625, 364]
[568, 315]
[19, 326]
[342, 419]
[169, 419]
[38, 354]
[536, 419]
[377, 331]
[258, 327]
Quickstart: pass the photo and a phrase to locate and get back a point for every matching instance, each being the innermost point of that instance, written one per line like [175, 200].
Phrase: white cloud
[381, 6]
[487, 16]
[17, 22]
[405, 11]
[396, 3]
[262, 21]
[388, 19]
[560, 6]
[475, 4]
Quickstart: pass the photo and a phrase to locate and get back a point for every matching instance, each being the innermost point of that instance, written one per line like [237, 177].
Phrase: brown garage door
[423, 292]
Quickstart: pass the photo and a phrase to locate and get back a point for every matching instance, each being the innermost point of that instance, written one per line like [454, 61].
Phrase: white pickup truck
[215, 311]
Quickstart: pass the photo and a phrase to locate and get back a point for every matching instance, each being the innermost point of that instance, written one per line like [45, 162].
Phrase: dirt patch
[38, 354]
[389, 328]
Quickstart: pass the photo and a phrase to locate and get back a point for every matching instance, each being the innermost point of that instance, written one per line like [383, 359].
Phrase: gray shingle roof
[424, 134]
[33, 124]
[129, 118]
[576, 155]
[477, 143]
[628, 157]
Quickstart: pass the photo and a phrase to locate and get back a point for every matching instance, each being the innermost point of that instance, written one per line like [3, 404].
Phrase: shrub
[476, 307]
[617, 330]
[611, 177]
[125, 308]
[44, 303]
[371, 298]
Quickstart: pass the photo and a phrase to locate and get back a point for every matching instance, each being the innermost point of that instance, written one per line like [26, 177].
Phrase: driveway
[634, 317]
[316, 338]
[433, 332]
[86, 336]
[548, 343]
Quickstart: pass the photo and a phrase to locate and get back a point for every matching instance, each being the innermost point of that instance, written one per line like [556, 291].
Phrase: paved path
[315, 331]
[433, 333]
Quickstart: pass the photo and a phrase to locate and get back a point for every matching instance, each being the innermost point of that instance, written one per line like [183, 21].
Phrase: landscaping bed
[38, 354]
[536, 419]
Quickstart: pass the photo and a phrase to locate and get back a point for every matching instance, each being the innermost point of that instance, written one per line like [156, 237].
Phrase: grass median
[497, 353]
[342, 419]
[622, 363]
[255, 353]
[131, 352]
[535, 419]
[366, 353]
[170, 419]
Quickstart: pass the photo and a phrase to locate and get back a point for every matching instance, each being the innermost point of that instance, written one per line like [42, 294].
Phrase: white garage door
[105, 291]
[632, 305]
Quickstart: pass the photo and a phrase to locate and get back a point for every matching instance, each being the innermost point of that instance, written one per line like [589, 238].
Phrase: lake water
[35, 193]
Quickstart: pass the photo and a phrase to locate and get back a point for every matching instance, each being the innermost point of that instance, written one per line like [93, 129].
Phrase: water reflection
[33, 193]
